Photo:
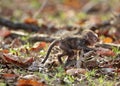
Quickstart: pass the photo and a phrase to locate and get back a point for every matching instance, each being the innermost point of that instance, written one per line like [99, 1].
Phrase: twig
[108, 45]
[88, 6]
[32, 38]
[40, 9]
[38, 38]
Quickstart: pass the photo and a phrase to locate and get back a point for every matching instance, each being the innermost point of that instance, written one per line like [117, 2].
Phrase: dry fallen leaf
[29, 82]
[31, 21]
[81, 22]
[105, 52]
[9, 76]
[76, 4]
[39, 45]
[107, 40]
[4, 51]
[4, 32]
[17, 61]
[74, 71]
[34, 77]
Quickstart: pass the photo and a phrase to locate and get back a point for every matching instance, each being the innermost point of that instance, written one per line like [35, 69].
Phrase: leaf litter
[21, 54]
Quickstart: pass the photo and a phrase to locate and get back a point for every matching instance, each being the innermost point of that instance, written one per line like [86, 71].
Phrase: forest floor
[27, 28]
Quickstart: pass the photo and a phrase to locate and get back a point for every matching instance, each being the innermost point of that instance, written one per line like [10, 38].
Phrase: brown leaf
[17, 60]
[107, 40]
[76, 4]
[31, 21]
[4, 51]
[39, 45]
[4, 32]
[29, 61]
[81, 22]
[105, 52]
[9, 76]
[29, 82]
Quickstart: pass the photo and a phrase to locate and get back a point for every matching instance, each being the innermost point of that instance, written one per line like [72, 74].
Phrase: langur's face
[91, 37]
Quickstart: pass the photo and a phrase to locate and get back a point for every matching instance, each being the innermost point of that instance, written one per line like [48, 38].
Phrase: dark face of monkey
[91, 37]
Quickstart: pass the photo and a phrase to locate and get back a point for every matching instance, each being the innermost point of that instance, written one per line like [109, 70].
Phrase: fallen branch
[108, 45]
[38, 38]
[16, 26]
[33, 37]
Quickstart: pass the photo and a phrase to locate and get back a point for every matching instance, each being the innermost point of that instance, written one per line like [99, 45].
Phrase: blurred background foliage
[62, 11]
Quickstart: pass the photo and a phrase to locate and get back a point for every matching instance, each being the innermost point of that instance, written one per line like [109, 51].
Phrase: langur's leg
[61, 55]
[66, 51]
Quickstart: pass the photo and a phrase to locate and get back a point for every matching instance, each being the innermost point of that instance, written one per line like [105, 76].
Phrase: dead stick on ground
[108, 45]
[16, 26]
[32, 38]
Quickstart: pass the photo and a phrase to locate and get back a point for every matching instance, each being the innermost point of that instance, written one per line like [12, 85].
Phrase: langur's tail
[49, 50]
